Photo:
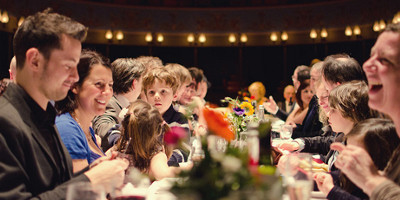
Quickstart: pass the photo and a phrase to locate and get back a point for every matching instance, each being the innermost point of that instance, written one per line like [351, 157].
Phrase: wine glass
[135, 187]
[298, 176]
[85, 190]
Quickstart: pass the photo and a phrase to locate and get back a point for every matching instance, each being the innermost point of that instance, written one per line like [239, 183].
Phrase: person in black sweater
[379, 138]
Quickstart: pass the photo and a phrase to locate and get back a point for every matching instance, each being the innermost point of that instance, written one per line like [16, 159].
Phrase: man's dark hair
[392, 28]
[341, 68]
[125, 71]
[303, 75]
[86, 62]
[197, 75]
[44, 31]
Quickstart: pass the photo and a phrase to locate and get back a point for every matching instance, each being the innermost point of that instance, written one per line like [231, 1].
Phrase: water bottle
[254, 104]
[260, 113]
[253, 144]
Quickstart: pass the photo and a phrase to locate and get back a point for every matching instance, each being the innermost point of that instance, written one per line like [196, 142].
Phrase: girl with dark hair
[86, 99]
[303, 98]
[142, 136]
[379, 138]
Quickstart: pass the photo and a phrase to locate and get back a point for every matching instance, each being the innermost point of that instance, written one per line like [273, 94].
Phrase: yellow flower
[246, 99]
[247, 107]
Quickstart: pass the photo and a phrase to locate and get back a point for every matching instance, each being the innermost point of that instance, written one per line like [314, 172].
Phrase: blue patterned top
[74, 138]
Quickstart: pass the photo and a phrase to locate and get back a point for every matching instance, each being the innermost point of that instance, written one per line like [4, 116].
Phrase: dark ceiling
[207, 3]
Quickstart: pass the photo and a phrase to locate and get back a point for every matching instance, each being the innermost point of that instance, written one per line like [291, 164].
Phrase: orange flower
[217, 124]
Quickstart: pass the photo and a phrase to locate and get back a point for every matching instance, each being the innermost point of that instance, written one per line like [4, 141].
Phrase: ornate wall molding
[214, 20]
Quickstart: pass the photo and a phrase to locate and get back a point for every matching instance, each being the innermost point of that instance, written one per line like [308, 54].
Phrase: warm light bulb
[243, 38]
[284, 36]
[274, 37]
[120, 35]
[148, 37]
[160, 38]
[348, 31]
[109, 35]
[396, 18]
[202, 38]
[324, 33]
[20, 21]
[376, 27]
[382, 24]
[357, 30]
[190, 38]
[232, 38]
[313, 34]
[4, 17]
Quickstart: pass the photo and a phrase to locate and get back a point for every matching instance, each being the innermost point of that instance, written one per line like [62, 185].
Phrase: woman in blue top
[86, 99]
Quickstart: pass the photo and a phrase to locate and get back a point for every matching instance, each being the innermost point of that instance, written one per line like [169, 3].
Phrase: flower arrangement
[242, 114]
[226, 174]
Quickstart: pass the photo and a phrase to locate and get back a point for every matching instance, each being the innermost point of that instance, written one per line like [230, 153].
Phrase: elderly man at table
[34, 163]
[383, 73]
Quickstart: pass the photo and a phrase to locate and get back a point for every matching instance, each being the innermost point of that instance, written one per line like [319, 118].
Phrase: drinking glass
[298, 176]
[196, 153]
[216, 143]
[134, 188]
[85, 190]
[278, 138]
[286, 131]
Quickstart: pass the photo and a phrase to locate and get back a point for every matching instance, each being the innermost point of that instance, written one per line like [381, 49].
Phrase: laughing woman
[86, 99]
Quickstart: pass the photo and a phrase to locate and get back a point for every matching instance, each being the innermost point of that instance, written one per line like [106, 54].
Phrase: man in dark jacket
[34, 163]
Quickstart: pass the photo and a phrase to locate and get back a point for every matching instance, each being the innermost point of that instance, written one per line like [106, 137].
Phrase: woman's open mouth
[375, 87]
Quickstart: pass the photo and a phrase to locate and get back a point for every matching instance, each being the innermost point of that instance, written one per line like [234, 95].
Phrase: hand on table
[292, 123]
[289, 146]
[109, 173]
[358, 166]
[324, 182]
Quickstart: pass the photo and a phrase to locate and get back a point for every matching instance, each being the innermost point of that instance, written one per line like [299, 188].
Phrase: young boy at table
[160, 88]
[184, 79]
